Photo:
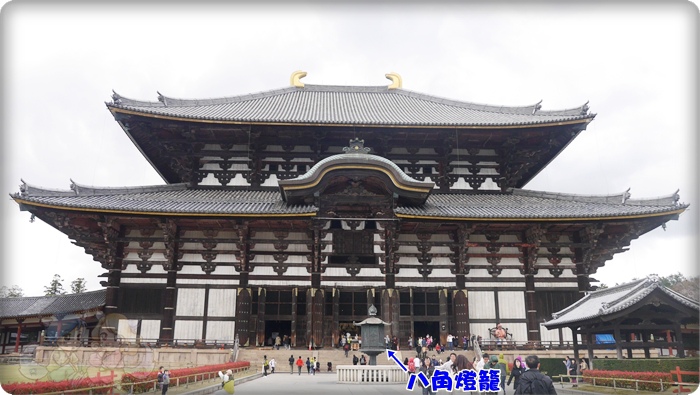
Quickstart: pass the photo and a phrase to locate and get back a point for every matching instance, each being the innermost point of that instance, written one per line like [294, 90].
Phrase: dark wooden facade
[307, 258]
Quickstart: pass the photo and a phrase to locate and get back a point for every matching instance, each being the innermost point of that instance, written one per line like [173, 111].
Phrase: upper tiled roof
[42, 306]
[614, 299]
[349, 105]
[178, 198]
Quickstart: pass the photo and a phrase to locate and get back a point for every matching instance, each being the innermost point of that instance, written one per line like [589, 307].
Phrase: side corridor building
[295, 209]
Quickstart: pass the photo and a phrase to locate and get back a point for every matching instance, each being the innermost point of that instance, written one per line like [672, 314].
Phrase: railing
[367, 374]
[137, 342]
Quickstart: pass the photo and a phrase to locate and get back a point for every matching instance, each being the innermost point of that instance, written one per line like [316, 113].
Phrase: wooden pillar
[461, 311]
[645, 341]
[390, 312]
[618, 340]
[260, 338]
[628, 339]
[171, 236]
[669, 340]
[577, 357]
[444, 327]
[112, 237]
[589, 348]
[679, 340]
[336, 318]
[19, 333]
[533, 327]
[293, 334]
[59, 326]
[314, 316]
[244, 300]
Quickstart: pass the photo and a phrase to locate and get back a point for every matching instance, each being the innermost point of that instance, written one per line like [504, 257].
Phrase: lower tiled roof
[611, 300]
[180, 199]
[42, 306]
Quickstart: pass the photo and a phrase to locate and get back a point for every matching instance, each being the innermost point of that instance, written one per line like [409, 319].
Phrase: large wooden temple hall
[293, 210]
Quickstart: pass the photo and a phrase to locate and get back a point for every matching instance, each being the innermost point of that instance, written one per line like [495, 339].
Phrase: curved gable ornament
[355, 166]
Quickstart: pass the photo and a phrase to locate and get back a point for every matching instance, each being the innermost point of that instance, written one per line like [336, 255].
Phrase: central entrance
[274, 328]
[423, 328]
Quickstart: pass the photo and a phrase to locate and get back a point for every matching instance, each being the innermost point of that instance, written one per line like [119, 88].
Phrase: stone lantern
[372, 331]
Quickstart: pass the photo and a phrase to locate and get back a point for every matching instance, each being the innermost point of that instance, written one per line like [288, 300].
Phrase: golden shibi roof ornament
[395, 78]
[296, 77]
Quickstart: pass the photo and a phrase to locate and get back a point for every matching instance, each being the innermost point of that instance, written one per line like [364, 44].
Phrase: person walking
[291, 364]
[428, 369]
[308, 366]
[266, 365]
[534, 382]
[516, 372]
[161, 370]
[272, 365]
[166, 382]
[227, 382]
[300, 363]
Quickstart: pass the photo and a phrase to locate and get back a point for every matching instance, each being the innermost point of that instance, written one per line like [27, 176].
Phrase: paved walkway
[325, 383]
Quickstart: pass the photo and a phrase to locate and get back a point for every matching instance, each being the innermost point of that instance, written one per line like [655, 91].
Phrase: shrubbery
[142, 381]
[43, 387]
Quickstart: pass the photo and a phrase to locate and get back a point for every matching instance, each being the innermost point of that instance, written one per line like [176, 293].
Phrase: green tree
[12, 292]
[55, 287]
[673, 279]
[78, 286]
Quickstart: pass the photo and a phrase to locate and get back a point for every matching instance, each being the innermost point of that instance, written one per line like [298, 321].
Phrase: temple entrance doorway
[423, 328]
[274, 328]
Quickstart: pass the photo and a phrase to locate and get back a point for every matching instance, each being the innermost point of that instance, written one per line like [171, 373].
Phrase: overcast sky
[635, 64]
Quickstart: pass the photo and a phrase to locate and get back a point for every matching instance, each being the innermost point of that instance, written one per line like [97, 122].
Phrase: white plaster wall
[150, 329]
[222, 302]
[143, 281]
[186, 329]
[481, 305]
[190, 301]
[126, 329]
[511, 304]
[224, 331]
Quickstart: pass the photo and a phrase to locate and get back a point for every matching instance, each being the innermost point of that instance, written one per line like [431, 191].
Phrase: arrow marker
[391, 354]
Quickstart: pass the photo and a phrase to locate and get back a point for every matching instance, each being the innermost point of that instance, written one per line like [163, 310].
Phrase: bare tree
[12, 292]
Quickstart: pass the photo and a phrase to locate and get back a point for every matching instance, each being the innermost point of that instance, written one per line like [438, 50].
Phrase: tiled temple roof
[603, 302]
[517, 204]
[42, 306]
[349, 105]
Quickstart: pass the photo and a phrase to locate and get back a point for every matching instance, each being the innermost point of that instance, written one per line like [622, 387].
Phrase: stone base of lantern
[366, 374]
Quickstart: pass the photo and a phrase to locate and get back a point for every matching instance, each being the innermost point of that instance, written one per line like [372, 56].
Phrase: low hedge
[141, 381]
[42, 387]
[604, 378]
[661, 365]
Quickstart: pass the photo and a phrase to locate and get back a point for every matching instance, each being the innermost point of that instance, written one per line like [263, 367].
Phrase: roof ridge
[81, 189]
[619, 198]
[664, 200]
